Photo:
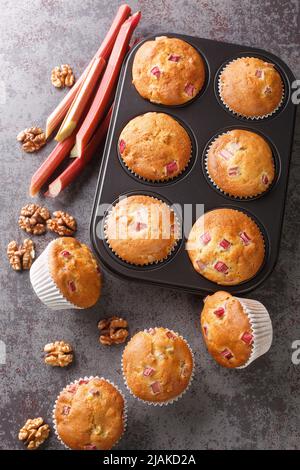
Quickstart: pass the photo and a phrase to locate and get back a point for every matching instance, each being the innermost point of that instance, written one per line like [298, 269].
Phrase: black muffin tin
[204, 117]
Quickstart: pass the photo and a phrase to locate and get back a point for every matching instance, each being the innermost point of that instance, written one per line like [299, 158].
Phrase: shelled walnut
[113, 330]
[62, 76]
[62, 223]
[32, 138]
[34, 433]
[33, 219]
[58, 354]
[21, 256]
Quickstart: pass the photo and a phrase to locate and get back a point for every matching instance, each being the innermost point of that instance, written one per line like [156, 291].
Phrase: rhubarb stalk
[77, 165]
[107, 84]
[104, 51]
[79, 104]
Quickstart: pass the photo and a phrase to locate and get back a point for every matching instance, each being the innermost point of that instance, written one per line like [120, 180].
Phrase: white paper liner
[172, 249]
[260, 194]
[172, 400]
[253, 118]
[261, 326]
[125, 413]
[44, 286]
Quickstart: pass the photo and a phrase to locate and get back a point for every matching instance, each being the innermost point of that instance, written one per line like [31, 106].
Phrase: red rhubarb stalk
[107, 84]
[79, 104]
[78, 164]
[50, 164]
[104, 51]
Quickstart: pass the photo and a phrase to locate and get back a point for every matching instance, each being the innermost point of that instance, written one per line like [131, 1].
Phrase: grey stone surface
[254, 408]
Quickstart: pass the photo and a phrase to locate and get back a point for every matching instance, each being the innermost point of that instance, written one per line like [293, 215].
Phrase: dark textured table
[253, 408]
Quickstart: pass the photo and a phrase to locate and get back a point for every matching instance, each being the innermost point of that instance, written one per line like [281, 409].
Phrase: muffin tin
[204, 117]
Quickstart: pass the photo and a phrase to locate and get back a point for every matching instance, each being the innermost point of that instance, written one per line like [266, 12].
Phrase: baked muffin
[90, 414]
[251, 87]
[155, 146]
[240, 163]
[141, 230]
[66, 275]
[236, 331]
[226, 246]
[168, 71]
[157, 365]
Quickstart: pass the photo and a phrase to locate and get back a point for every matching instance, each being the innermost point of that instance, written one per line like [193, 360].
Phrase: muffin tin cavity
[277, 67]
[154, 264]
[204, 117]
[276, 163]
[170, 180]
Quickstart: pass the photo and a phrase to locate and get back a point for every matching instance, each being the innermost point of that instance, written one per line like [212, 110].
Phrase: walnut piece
[33, 219]
[62, 223]
[34, 433]
[32, 138]
[58, 354]
[113, 331]
[62, 76]
[21, 256]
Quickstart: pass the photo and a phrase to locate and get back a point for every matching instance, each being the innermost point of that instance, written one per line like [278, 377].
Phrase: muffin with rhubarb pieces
[155, 147]
[236, 331]
[157, 366]
[66, 275]
[240, 163]
[251, 87]
[141, 230]
[226, 246]
[90, 414]
[168, 71]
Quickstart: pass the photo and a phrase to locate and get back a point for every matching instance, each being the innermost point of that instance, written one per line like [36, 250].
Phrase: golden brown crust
[141, 230]
[251, 87]
[157, 365]
[241, 163]
[168, 71]
[75, 272]
[223, 324]
[226, 246]
[90, 415]
[155, 146]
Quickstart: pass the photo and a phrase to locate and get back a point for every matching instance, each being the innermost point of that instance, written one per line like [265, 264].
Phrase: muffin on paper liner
[44, 286]
[253, 118]
[259, 194]
[172, 400]
[177, 230]
[261, 326]
[125, 414]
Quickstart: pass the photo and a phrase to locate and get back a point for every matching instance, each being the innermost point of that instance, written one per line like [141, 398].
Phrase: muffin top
[251, 87]
[226, 330]
[155, 146]
[89, 415]
[168, 71]
[240, 163]
[226, 246]
[157, 365]
[75, 272]
[141, 229]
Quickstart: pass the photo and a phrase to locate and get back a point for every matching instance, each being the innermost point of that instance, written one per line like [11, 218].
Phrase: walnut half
[32, 138]
[33, 219]
[21, 256]
[58, 354]
[62, 223]
[34, 433]
[113, 331]
[62, 76]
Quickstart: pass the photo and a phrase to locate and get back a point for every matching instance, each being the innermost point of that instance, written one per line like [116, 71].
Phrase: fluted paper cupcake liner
[260, 194]
[44, 286]
[178, 225]
[125, 414]
[172, 400]
[252, 118]
[261, 326]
